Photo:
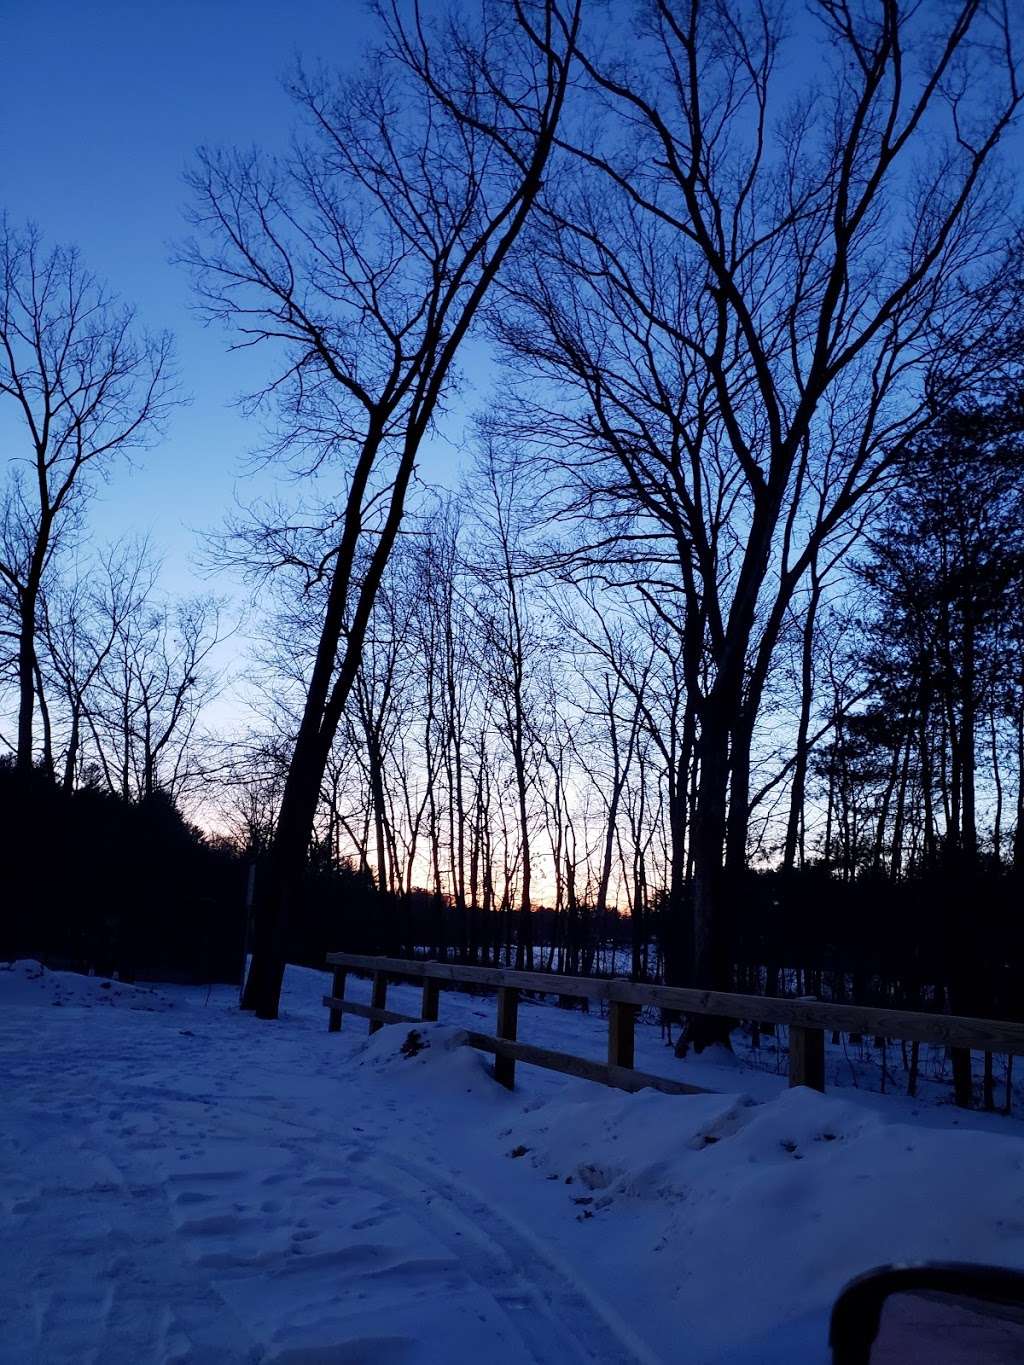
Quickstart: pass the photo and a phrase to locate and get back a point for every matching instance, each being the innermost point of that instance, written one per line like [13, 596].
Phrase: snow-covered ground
[183, 1183]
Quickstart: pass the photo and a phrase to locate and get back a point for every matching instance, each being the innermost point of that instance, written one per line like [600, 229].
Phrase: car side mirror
[935, 1313]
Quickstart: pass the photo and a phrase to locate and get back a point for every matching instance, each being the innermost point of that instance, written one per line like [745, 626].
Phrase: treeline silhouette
[932, 942]
[95, 882]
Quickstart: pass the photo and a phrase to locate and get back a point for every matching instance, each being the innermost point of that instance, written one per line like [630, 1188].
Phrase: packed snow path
[183, 1183]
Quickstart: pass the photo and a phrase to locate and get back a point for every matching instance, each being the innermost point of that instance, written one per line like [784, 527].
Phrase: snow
[28, 983]
[184, 1183]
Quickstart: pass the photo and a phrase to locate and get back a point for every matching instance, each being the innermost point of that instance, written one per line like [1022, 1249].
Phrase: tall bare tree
[366, 256]
[85, 386]
[745, 300]
[511, 645]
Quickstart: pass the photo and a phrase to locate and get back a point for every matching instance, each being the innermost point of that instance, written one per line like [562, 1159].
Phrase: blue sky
[103, 103]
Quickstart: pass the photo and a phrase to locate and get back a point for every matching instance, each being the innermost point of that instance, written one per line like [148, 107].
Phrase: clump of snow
[621, 1143]
[26, 982]
[431, 1059]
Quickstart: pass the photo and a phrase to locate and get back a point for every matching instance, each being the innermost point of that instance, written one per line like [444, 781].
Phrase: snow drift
[184, 1183]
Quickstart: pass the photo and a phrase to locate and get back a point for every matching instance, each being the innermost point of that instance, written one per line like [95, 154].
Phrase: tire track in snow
[556, 1317]
[562, 1320]
[187, 1152]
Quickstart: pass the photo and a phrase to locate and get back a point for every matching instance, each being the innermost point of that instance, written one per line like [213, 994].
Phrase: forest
[640, 590]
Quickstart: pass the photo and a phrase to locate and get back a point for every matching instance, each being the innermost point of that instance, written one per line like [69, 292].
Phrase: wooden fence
[807, 1020]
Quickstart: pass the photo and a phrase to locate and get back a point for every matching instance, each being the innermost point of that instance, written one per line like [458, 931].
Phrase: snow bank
[29, 983]
[432, 1062]
[723, 1222]
[748, 1219]
[242, 1191]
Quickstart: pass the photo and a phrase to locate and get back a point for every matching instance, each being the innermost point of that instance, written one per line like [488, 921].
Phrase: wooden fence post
[338, 991]
[807, 1057]
[621, 1021]
[431, 992]
[508, 1018]
[379, 998]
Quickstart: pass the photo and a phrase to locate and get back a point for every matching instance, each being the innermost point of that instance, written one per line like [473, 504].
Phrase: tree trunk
[282, 884]
[44, 717]
[71, 757]
[968, 744]
[1018, 829]
[675, 933]
[739, 789]
[896, 855]
[799, 784]
[997, 779]
[26, 676]
[710, 960]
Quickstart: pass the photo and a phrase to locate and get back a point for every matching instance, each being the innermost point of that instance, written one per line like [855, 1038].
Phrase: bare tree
[746, 306]
[367, 256]
[81, 618]
[148, 695]
[511, 643]
[85, 387]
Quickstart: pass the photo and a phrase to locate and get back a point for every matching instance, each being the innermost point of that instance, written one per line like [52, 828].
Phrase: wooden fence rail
[808, 1020]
